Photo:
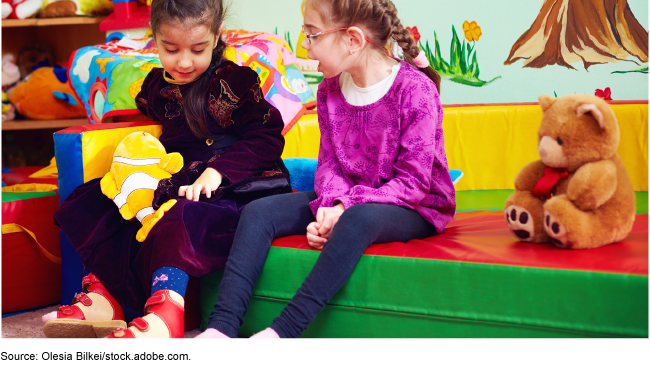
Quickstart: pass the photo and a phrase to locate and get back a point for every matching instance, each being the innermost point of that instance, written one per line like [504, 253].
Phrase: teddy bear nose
[542, 153]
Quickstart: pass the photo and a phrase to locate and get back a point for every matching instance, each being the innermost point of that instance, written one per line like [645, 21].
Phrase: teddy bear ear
[545, 101]
[595, 112]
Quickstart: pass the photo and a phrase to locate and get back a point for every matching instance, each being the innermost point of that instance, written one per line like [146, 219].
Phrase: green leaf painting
[463, 64]
[287, 38]
[643, 70]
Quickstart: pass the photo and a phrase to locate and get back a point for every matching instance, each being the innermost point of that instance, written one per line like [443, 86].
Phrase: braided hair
[379, 17]
[194, 12]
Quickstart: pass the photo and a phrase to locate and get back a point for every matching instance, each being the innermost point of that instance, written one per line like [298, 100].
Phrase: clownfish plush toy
[139, 163]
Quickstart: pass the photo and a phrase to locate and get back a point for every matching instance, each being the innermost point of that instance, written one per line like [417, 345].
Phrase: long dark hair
[195, 12]
[380, 18]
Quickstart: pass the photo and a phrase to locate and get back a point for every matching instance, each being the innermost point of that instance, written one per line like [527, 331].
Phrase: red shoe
[93, 313]
[164, 318]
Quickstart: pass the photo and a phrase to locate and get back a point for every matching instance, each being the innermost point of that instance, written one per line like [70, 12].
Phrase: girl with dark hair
[382, 171]
[214, 114]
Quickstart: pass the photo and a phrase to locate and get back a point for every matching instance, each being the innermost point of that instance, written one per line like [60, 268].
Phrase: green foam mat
[493, 200]
[407, 297]
[11, 196]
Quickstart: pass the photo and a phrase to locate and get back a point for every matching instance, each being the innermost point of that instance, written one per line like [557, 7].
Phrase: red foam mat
[483, 237]
[29, 278]
[20, 175]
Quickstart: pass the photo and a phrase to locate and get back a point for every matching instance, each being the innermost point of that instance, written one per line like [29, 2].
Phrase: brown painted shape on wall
[591, 31]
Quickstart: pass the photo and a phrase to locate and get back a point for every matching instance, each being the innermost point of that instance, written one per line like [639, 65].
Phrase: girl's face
[185, 51]
[327, 49]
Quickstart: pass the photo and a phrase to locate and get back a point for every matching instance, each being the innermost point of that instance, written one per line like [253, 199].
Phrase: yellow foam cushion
[491, 144]
[98, 147]
[303, 139]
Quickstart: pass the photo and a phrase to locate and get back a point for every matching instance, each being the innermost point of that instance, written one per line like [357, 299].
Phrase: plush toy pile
[63, 8]
[579, 194]
[23, 9]
[10, 78]
[20, 9]
[46, 94]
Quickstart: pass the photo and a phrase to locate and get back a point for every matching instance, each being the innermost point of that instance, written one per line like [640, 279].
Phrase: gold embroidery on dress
[221, 109]
[175, 104]
[257, 92]
[267, 116]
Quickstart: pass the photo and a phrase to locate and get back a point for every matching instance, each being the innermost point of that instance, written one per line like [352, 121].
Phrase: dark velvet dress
[196, 237]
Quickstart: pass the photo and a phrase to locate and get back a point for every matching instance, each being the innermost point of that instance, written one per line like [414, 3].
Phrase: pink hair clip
[421, 60]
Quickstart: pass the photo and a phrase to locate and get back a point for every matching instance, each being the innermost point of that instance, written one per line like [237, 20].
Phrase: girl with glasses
[382, 171]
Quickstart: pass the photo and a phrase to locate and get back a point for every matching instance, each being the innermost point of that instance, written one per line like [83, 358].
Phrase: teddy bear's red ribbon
[550, 178]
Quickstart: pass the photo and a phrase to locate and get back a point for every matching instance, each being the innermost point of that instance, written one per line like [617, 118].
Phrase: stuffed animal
[10, 72]
[20, 9]
[34, 56]
[579, 194]
[10, 78]
[139, 163]
[63, 8]
[8, 110]
[46, 94]
[6, 8]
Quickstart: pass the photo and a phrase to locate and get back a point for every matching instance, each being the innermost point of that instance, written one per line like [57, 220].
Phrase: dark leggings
[265, 219]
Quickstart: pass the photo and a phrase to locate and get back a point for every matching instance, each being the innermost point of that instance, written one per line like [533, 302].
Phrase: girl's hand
[313, 237]
[208, 182]
[327, 219]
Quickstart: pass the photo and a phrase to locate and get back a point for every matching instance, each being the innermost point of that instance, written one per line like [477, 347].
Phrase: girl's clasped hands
[326, 218]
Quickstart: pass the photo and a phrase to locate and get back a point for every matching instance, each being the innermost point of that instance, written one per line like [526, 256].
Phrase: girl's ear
[356, 39]
[216, 37]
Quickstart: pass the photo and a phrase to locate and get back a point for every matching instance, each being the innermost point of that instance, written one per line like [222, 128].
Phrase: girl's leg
[171, 278]
[165, 309]
[358, 227]
[261, 221]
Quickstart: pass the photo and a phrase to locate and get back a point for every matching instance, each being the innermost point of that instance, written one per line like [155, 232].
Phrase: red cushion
[484, 237]
[29, 278]
[20, 175]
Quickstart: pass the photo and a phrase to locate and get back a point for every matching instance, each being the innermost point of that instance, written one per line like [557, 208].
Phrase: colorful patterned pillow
[108, 76]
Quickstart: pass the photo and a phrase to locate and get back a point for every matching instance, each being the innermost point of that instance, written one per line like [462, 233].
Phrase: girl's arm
[252, 118]
[142, 98]
[412, 170]
[329, 182]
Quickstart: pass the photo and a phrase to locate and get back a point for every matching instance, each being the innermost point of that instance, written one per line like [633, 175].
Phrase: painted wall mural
[503, 51]
[587, 31]
[463, 65]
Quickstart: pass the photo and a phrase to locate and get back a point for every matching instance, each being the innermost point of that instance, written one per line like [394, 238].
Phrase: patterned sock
[171, 278]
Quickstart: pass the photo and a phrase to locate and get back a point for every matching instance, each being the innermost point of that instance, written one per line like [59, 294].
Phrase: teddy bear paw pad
[520, 222]
[555, 230]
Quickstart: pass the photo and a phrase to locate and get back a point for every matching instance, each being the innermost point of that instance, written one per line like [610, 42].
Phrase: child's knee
[361, 216]
[257, 209]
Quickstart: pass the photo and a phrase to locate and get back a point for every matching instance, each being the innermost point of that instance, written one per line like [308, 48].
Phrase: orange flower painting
[472, 31]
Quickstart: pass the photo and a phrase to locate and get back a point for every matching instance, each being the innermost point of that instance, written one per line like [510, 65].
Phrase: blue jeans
[282, 215]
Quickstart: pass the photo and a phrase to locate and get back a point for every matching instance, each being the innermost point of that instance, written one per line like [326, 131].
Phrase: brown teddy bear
[579, 194]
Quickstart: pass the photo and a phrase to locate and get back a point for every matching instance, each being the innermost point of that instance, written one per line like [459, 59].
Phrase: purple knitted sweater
[390, 152]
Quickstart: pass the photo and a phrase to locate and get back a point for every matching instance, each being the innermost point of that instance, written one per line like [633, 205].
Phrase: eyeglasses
[314, 35]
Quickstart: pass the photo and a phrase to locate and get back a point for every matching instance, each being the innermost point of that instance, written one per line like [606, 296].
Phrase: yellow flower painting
[472, 31]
